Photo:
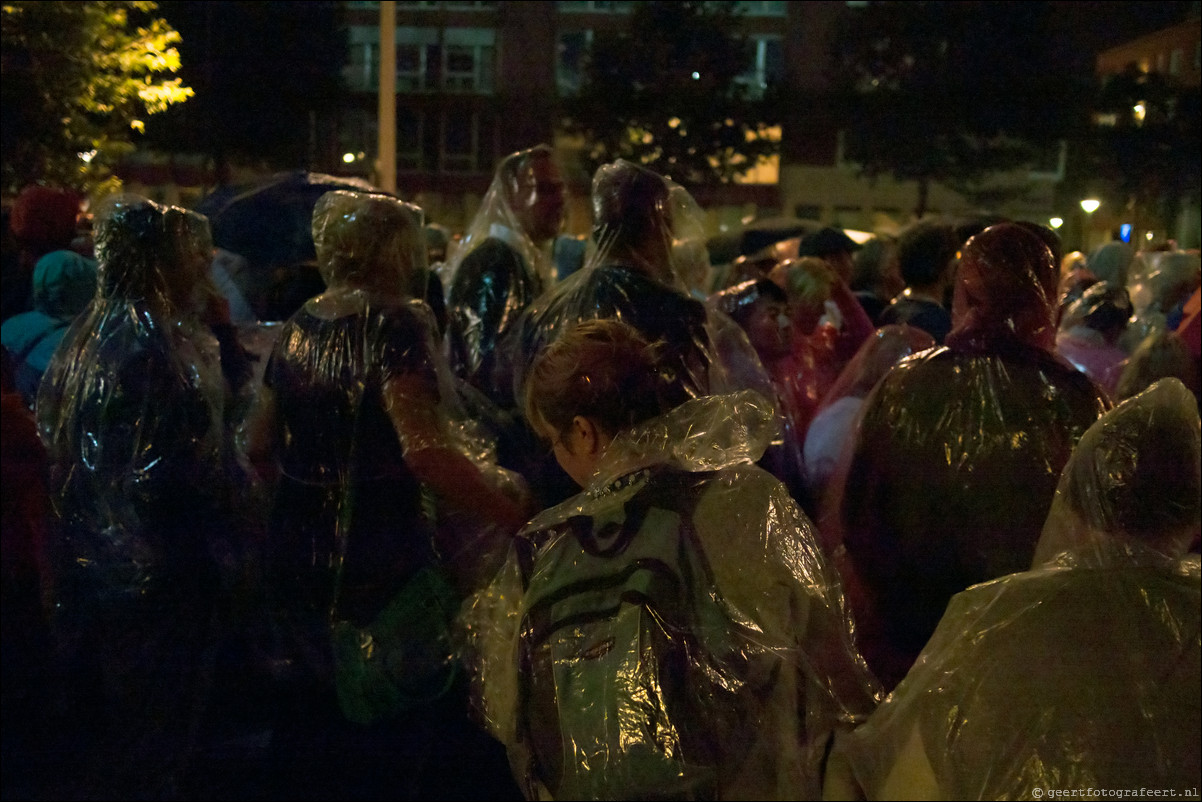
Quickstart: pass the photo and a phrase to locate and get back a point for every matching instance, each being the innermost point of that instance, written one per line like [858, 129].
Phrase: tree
[950, 92]
[1145, 145]
[79, 81]
[663, 92]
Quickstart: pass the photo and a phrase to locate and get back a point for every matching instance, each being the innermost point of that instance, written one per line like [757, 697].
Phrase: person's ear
[585, 435]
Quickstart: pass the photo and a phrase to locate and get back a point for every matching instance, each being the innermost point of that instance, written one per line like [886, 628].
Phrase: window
[362, 69]
[571, 50]
[446, 59]
[587, 6]
[468, 142]
[1049, 162]
[410, 128]
[1176, 58]
[767, 64]
[762, 8]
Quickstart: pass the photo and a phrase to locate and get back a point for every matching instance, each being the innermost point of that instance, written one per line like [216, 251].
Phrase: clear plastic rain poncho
[131, 412]
[1089, 333]
[1083, 672]
[646, 229]
[832, 427]
[733, 688]
[1159, 284]
[365, 434]
[496, 270]
[131, 407]
[958, 451]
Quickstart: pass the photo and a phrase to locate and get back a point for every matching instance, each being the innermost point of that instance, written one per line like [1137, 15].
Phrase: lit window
[767, 65]
[1176, 58]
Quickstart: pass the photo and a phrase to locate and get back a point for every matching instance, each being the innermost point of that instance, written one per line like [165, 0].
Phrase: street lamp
[1089, 206]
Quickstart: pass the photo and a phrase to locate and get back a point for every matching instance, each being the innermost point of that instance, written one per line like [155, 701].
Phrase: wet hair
[601, 369]
[924, 252]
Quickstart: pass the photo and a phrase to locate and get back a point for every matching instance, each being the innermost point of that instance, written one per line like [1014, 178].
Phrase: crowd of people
[917, 517]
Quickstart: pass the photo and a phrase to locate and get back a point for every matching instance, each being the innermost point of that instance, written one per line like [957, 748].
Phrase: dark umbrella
[270, 226]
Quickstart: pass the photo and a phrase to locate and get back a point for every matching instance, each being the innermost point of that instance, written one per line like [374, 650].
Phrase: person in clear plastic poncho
[1082, 672]
[1089, 333]
[644, 228]
[958, 452]
[672, 631]
[357, 416]
[501, 265]
[378, 488]
[131, 411]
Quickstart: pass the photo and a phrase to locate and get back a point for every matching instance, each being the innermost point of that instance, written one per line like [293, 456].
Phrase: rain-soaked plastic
[380, 473]
[496, 270]
[131, 406]
[958, 451]
[647, 229]
[831, 429]
[749, 666]
[1083, 672]
[1159, 283]
[131, 412]
[1090, 328]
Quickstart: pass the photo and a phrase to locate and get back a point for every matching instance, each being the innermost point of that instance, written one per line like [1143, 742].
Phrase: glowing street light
[1056, 222]
[1090, 205]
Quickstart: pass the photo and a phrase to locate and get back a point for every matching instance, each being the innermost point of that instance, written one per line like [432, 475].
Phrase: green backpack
[632, 670]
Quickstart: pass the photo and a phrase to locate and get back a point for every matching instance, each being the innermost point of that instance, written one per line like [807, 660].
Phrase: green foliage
[80, 78]
[662, 92]
[945, 91]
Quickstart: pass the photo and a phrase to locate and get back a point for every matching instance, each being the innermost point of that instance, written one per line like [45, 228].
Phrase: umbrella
[270, 227]
[757, 236]
[271, 224]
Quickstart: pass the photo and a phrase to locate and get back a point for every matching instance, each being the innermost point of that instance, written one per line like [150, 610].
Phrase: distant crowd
[512, 514]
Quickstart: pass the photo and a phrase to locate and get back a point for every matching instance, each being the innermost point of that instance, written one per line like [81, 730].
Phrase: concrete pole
[386, 155]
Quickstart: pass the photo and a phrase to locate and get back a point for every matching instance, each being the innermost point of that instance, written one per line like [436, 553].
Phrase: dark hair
[738, 301]
[924, 252]
[601, 369]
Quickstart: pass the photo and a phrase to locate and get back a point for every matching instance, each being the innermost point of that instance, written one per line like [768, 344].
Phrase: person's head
[1135, 473]
[1049, 237]
[44, 219]
[1102, 307]
[808, 282]
[1111, 262]
[533, 187]
[761, 308]
[187, 272]
[875, 269]
[1159, 356]
[369, 241]
[875, 357]
[63, 284]
[438, 239]
[133, 249]
[598, 379]
[925, 253]
[833, 246]
[633, 215]
[1005, 291]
